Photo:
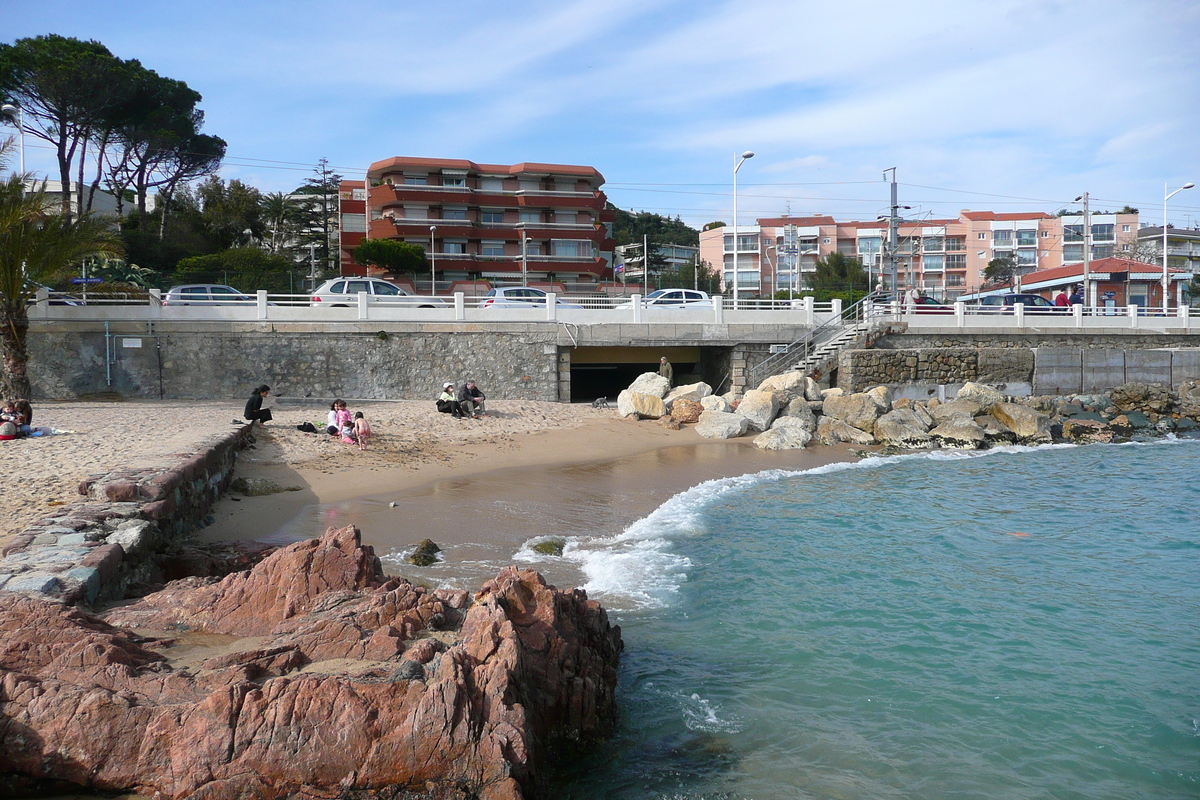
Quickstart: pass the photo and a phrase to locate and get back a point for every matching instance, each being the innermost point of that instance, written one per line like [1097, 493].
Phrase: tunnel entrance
[607, 371]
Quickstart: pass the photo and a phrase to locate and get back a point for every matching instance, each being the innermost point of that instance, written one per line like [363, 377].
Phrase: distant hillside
[630, 227]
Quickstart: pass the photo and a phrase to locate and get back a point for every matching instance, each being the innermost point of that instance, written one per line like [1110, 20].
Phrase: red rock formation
[347, 683]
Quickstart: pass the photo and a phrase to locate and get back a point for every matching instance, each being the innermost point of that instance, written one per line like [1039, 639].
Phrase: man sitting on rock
[470, 400]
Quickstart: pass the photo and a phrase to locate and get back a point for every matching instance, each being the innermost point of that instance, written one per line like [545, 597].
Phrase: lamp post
[433, 260]
[10, 110]
[1087, 249]
[524, 259]
[737, 165]
[1166, 277]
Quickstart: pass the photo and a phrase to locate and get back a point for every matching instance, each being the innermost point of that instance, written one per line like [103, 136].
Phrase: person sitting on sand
[254, 410]
[342, 419]
[470, 400]
[26, 412]
[331, 420]
[362, 430]
[10, 413]
[447, 404]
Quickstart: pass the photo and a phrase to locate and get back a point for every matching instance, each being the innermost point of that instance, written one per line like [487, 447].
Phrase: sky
[1003, 105]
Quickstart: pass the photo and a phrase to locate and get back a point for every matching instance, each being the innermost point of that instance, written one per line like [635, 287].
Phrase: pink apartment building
[943, 257]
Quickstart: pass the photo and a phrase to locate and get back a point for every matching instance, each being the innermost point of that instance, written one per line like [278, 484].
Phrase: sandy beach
[480, 488]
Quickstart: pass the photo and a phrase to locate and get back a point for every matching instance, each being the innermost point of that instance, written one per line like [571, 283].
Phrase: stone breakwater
[331, 680]
[791, 411]
[95, 550]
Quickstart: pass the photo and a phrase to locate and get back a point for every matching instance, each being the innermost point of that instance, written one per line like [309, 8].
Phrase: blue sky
[1005, 105]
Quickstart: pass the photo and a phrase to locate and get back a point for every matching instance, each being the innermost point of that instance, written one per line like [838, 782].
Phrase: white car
[520, 297]
[206, 294]
[674, 298]
[343, 293]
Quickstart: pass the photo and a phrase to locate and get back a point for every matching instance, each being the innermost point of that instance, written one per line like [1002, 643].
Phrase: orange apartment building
[485, 222]
[944, 257]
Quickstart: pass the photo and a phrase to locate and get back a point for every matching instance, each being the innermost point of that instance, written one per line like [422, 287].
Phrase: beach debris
[392, 504]
[424, 554]
[549, 547]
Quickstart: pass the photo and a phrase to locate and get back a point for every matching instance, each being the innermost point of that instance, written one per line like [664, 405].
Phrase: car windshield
[658, 293]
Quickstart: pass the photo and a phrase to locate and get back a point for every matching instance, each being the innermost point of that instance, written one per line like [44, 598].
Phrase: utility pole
[645, 265]
[1088, 300]
[893, 230]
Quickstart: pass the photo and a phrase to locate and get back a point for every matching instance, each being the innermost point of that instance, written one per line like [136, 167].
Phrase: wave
[638, 567]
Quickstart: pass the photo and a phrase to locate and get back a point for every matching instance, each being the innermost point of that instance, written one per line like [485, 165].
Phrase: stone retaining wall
[93, 550]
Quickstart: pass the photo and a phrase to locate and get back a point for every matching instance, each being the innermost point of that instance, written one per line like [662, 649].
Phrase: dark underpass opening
[607, 371]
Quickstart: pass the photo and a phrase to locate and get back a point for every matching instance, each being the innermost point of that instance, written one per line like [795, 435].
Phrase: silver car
[520, 297]
[205, 294]
[343, 292]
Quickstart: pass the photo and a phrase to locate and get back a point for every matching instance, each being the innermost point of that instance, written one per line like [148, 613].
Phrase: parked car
[205, 294]
[1034, 303]
[927, 305]
[674, 298]
[343, 292]
[520, 297]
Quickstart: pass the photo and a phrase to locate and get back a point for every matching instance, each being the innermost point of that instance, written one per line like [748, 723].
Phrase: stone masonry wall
[363, 365]
[92, 550]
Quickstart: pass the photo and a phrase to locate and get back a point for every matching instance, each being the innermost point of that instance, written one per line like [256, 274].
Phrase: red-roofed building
[473, 219]
[1118, 282]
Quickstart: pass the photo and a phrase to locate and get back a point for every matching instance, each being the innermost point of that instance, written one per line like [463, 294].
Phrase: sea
[1018, 623]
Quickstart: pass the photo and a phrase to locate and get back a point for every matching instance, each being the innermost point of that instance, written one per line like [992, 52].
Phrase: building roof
[980, 216]
[527, 167]
[1100, 269]
[799, 222]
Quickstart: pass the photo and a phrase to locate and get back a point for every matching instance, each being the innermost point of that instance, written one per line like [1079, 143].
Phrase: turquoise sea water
[1021, 624]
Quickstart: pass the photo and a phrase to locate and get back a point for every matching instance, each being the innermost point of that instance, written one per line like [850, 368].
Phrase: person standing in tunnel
[664, 369]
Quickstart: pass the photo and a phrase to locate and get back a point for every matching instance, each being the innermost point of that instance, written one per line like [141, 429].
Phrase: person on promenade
[911, 298]
[470, 400]
[1061, 300]
[254, 410]
[664, 369]
[1076, 298]
[362, 430]
[448, 404]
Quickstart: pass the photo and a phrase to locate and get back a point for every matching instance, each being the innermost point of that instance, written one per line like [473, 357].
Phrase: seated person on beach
[342, 419]
[26, 412]
[331, 419]
[254, 410]
[362, 430]
[447, 404]
[470, 400]
[10, 414]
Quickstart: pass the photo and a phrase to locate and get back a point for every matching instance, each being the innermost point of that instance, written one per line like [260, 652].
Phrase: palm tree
[37, 245]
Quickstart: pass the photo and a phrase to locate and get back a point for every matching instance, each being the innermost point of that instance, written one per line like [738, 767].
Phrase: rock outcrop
[640, 405]
[651, 383]
[722, 425]
[332, 680]
[760, 408]
[903, 428]
[787, 433]
[694, 392]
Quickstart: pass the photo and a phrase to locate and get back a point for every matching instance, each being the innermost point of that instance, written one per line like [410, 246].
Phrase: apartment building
[944, 257]
[542, 223]
[1183, 246]
[663, 258]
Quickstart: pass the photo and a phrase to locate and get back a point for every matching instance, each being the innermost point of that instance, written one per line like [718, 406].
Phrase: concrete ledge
[93, 550]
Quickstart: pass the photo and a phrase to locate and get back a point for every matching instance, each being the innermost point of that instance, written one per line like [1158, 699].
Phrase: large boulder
[715, 403]
[686, 410]
[333, 682]
[958, 407]
[1029, 426]
[801, 409]
[1086, 431]
[902, 428]
[760, 408]
[793, 384]
[959, 433]
[981, 394]
[642, 406]
[883, 395]
[787, 433]
[833, 431]
[651, 383]
[858, 410]
[722, 425]
[994, 430]
[692, 391]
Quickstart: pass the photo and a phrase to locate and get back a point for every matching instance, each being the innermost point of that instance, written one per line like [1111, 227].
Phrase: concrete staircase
[823, 353]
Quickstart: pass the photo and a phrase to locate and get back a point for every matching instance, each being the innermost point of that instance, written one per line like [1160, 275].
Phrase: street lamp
[1087, 249]
[433, 260]
[524, 259]
[737, 165]
[10, 110]
[1166, 197]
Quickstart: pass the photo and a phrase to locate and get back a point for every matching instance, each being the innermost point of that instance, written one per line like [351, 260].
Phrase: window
[454, 247]
[361, 194]
[454, 213]
[956, 280]
[1073, 233]
[1002, 238]
[825, 240]
[935, 262]
[983, 234]
[747, 242]
[416, 212]
[491, 216]
[531, 217]
[1026, 258]
[1124, 228]
[454, 180]
[934, 244]
[870, 244]
[1102, 251]
[385, 289]
[955, 244]
[415, 180]
[1103, 233]
[1045, 234]
[491, 184]
[354, 223]
[1045, 254]
[571, 248]
[956, 261]
[533, 248]
[729, 243]
[490, 248]
[1026, 238]
[1072, 252]
[566, 217]
[354, 287]
[529, 184]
